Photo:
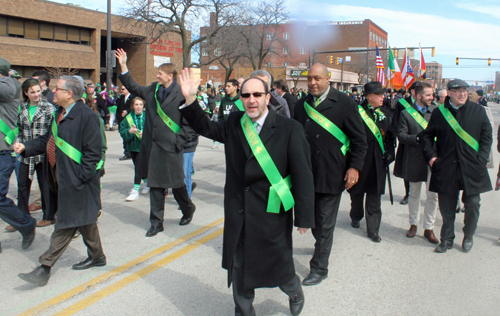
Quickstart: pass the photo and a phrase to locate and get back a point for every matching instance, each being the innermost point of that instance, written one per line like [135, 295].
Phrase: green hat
[15, 74]
[4, 67]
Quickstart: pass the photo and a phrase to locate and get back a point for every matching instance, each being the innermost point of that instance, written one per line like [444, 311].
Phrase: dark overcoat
[121, 106]
[372, 176]
[453, 154]
[414, 165]
[162, 150]
[328, 162]
[78, 194]
[398, 164]
[267, 237]
[291, 101]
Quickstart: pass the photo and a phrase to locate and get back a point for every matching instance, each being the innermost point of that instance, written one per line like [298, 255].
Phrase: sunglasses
[255, 95]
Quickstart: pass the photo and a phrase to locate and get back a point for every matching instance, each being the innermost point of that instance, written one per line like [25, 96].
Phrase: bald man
[335, 132]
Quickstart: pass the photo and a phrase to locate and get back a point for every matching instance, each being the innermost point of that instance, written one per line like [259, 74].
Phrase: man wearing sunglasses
[463, 136]
[269, 188]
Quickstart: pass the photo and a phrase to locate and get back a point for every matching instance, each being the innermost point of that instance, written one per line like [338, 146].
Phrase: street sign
[341, 60]
[302, 73]
[347, 58]
[490, 82]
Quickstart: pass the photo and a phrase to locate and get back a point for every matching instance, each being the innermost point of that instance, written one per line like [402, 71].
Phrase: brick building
[296, 45]
[35, 34]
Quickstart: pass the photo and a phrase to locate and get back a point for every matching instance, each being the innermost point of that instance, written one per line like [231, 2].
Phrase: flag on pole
[380, 69]
[422, 72]
[407, 72]
[393, 72]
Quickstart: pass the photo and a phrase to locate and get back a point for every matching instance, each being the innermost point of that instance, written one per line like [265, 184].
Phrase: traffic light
[433, 52]
[338, 60]
[489, 61]
[476, 83]
[331, 59]
[457, 61]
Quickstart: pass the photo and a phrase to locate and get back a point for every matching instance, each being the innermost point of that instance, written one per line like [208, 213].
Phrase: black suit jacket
[291, 100]
[121, 106]
[267, 237]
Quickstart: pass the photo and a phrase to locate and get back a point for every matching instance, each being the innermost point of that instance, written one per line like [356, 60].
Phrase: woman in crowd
[131, 132]
[110, 103]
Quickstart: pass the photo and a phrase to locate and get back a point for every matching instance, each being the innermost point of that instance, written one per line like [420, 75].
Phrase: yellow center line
[108, 275]
[136, 276]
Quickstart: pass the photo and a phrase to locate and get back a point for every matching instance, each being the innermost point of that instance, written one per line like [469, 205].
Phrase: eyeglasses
[459, 91]
[255, 95]
[57, 89]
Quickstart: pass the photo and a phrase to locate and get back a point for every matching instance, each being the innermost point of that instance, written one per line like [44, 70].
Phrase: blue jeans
[9, 212]
[188, 168]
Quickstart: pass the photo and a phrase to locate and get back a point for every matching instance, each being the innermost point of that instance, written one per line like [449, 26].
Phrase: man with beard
[230, 100]
[463, 137]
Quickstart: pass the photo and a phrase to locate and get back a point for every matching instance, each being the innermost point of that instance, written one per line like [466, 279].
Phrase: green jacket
[226, 105]
[132, 142]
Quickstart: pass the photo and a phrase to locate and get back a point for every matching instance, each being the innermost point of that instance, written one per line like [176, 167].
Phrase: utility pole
[109, 61]
[342, 75]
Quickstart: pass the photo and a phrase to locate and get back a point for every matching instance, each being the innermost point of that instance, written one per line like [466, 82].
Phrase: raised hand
[189, 84]
[121, 55]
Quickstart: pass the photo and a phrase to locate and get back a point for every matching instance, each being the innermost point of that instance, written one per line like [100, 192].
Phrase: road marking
[106, 276]
[136, 276]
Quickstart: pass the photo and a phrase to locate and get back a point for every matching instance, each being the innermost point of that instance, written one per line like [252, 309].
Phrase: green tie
[255, 124]
[317, 102]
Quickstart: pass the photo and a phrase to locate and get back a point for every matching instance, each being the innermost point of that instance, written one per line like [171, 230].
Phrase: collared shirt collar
[69, 108]
[323, 96]
[456, 108]
[419, 107]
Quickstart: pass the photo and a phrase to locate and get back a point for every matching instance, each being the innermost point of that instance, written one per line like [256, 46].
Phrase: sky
[458, 28]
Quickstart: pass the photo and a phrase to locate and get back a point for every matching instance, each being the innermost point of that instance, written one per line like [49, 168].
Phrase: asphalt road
[179, 272]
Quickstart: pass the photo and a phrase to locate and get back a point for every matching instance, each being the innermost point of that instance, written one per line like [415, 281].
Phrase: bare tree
[159, 18]
[58, 72]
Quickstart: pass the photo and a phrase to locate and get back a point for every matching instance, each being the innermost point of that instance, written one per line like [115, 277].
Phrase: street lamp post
[109, 64]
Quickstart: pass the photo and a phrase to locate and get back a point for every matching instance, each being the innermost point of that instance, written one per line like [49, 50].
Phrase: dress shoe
[404, 201]
[187, 219]
[125, 157]
[297, 303]
[443, 247]
[375, 237]
[154, 230]
[355, 223]
[44, 223]
[10, 229]
[89, 263]
[467, 244]
[429, 234]
[28, 239]
[313, 279]
[412, 231]
[37, 276]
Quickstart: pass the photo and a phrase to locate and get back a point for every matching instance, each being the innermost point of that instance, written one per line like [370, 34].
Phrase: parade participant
[124, 106]
[281, 89]
[231, 99]
[268, 166]
[34, 119]
[72, 177]
[463, 137]
[164, 135]
[131, 131]
[415, 169]
[44, 78]
[380, 153]
[337, 138]
[441, 96]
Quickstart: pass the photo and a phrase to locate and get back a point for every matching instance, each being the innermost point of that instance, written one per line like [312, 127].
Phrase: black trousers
[24, 188]
[448, 206]
[372, 210]
[243, 298]
[135, 157]
[326, 210]
[157, 201]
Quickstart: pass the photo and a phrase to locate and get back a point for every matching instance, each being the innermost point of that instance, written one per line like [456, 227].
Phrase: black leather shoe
[467, 244]
[297, 303]
[355, 223]
[313, 279]
[37, 276]
[154, 230]
[125, 157]
[404, 201]
[375, 237]
[187, 219]
[28, 239]
[89, 263]
[443, 247]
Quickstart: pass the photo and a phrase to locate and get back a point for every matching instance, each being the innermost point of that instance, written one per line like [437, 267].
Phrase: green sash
[10, 134]
[279, 192]
[130, 123]
[167, 120]
[373, 127]
[67, 149]
[329, 126]
[239, 104]
[414, 113]
[458, 129]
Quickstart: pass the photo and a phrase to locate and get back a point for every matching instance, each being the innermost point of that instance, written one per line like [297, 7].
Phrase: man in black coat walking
[266, 153]
[380, 153]
[463, 136]
[123, 108]
[337, 138]
[281, 89]
[73, 151]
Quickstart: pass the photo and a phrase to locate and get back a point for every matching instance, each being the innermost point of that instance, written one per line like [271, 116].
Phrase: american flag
[380, 69]
[407, 72]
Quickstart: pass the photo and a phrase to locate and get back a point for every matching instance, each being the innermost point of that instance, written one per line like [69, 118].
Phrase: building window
[204, 52]
[268, 64]
[285, 50]
[47, 31]
[269, 36]
[217, 52]
[286, 36]
[3, 26]
[60, 33]
[31, 29]
[16, 27]
[371, 36]
[302, 64]
[285, 64]
[302, 51]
